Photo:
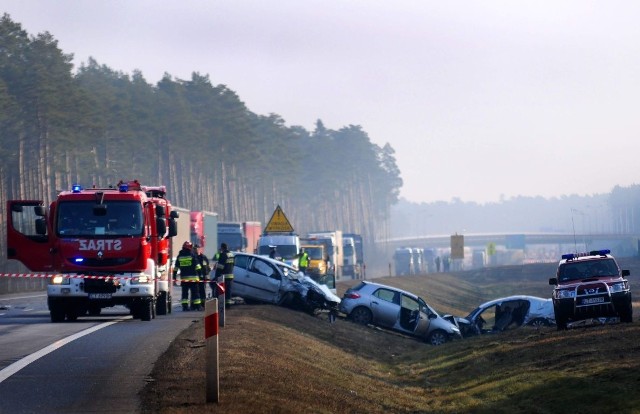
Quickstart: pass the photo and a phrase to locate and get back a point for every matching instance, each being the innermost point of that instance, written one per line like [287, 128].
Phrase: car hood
[304, 283]
[577, 282]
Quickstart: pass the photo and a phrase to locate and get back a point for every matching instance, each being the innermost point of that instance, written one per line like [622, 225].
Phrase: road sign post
[211, 342]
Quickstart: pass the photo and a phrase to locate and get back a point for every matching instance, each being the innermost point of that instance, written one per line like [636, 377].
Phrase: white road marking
[23, 297]
[24, 362]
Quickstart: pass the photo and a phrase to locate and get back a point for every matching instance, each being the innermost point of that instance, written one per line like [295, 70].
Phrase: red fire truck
[104, 246]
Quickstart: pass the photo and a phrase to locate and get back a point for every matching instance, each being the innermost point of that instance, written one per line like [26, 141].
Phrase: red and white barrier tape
[80, 276]
[48, 275]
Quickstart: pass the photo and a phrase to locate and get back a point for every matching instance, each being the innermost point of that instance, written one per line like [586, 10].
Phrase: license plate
[99, 295]
[589, 301]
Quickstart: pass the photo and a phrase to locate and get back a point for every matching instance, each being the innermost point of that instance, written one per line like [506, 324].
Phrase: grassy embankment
[278, 360]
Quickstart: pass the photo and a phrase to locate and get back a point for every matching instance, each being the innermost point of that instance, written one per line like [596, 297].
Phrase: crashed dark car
[259, 278]
[505, 314]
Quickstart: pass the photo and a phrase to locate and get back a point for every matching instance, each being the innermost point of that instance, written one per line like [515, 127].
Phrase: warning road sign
[279, 223]
[457, 246]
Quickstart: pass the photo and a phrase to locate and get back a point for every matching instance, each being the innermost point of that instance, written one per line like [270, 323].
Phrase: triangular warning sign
[279, 223]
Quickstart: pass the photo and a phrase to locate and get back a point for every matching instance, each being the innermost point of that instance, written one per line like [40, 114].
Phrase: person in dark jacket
[224, 269]
[189, 266]
[205, 269]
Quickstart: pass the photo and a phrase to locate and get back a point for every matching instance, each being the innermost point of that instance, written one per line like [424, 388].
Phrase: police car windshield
[78, 218]
[583, 269]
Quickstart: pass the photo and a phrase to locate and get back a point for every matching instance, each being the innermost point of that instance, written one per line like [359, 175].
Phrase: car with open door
[398, 310]
[505, 314]
[260, 278]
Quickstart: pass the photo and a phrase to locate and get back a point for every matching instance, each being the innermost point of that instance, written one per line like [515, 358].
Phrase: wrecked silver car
[262, 279]
[505, 314]
[396, 309]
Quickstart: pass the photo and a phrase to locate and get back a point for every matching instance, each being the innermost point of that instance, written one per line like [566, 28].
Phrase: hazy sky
[480, 99]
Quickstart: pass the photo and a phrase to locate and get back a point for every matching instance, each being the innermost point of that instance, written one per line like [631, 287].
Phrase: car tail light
[351, 295]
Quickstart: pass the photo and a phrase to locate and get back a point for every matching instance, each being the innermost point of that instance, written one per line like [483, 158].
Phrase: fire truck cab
[103, 246]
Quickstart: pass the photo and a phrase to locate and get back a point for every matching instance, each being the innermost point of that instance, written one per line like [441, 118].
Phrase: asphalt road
[95, 365]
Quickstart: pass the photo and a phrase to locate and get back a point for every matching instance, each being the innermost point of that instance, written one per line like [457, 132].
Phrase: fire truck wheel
[57, 312]
[161, 307]
[94, 309]
[72, 313]
[146, 310]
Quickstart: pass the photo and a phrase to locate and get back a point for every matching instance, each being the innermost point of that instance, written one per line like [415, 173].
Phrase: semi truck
[183, 218]
[357, 240]
[287, 247]
[204, 231]
[350, 267]
[333, 244]
[252, 231]
[102, 246]
[233, 235]
[403, 258]
[317, 259]
[317, 269]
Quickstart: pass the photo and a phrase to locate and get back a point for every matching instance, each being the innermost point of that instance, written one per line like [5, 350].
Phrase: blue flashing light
[76, 188]
[571, 256]
[123, 188]
[79, 259]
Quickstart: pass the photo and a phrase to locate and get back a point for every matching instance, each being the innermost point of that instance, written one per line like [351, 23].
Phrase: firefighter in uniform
[303, 261]
[189, 266]
[205, 269]
[224, 269]
[213, 283]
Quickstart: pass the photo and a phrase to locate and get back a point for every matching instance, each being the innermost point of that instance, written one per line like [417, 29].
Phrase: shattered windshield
[78, 218]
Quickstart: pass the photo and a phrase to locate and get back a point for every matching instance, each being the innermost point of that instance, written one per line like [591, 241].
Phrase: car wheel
[361, 315]
[538, 323]
[287, 300]
[627, 314]
[437, 337]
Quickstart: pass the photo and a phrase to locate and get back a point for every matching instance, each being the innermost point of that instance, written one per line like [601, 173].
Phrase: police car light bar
[571, 256]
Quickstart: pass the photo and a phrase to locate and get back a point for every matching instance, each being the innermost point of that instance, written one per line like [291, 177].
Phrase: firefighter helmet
[187, 245]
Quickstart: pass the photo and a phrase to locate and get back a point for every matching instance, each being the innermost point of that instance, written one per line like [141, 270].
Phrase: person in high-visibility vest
[303, 260]
[224, 269]
[204, 273]
[189, 266]
[213, 284]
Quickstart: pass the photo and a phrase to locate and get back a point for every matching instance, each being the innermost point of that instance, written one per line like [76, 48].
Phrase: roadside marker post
[221, 302]
[211, 342]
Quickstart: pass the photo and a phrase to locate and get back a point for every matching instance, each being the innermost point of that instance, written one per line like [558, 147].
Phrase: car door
[240, 274]
[262, 281]
[410, 318]
[24, 242]
[385, 307]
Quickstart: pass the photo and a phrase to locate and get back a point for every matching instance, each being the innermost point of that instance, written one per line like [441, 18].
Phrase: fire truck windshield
[78, 218]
